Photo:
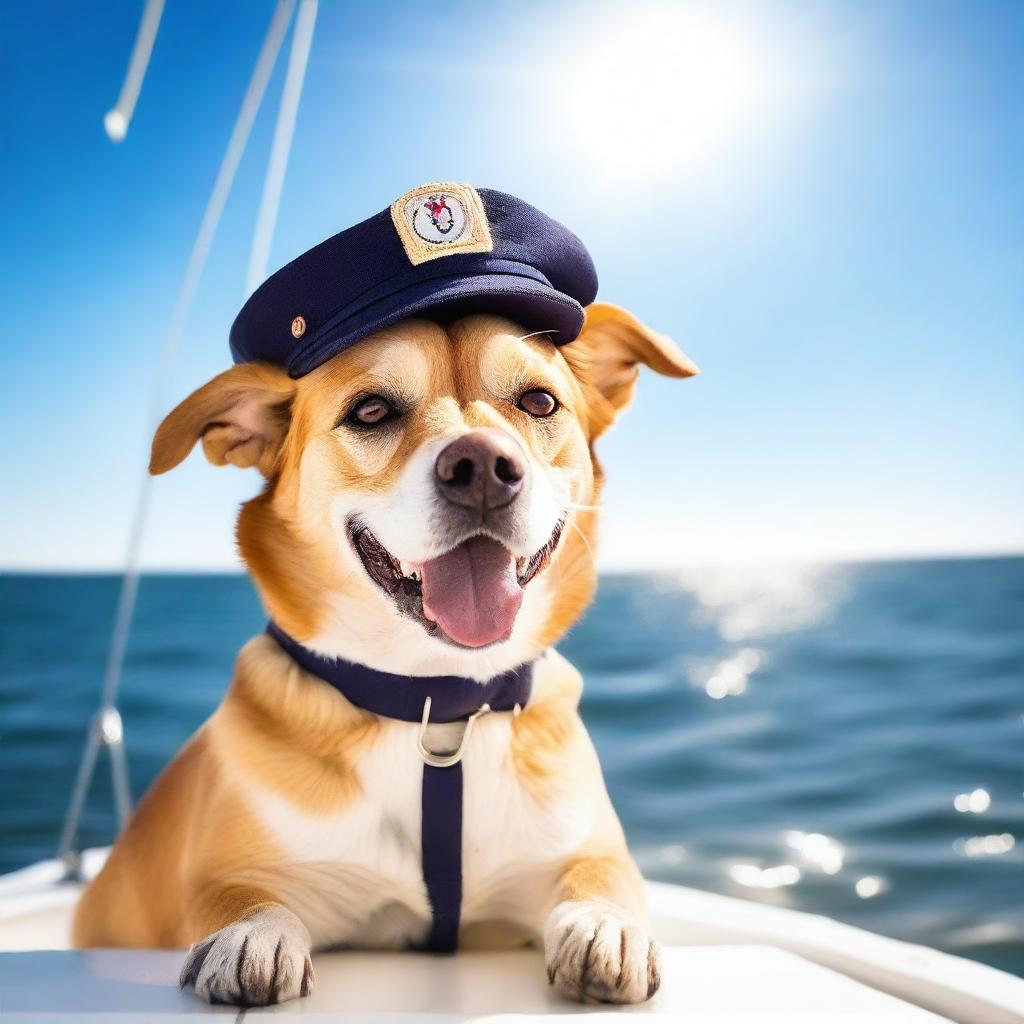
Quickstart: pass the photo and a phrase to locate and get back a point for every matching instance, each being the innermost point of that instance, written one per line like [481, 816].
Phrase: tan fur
[546, 737]
[294, 735]
[179, 871]
[607, 876]
[194, 858]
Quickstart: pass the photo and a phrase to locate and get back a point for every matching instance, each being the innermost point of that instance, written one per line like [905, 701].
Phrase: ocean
[842, 739]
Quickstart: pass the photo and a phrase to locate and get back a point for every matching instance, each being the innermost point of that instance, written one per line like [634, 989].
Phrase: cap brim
[533, 304]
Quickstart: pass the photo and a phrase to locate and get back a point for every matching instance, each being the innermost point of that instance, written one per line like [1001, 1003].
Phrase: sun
[661, 90]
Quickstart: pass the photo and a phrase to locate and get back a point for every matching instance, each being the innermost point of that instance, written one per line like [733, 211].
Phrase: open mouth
[470, 595]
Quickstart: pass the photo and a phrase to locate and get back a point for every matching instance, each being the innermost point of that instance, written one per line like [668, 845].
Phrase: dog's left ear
[613, 344]
[241, 416]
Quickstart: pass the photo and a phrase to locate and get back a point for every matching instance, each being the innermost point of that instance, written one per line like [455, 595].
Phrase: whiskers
[491, 668]
[570, 521]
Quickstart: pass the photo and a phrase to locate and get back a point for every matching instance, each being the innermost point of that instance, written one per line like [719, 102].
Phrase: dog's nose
[483, 470]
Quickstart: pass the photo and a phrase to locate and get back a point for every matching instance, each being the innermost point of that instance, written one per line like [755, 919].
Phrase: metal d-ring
[446, 760]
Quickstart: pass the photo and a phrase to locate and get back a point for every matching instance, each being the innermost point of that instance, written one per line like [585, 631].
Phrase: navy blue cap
[441, 250]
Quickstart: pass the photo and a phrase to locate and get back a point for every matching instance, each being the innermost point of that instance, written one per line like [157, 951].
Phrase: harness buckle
[446, 760]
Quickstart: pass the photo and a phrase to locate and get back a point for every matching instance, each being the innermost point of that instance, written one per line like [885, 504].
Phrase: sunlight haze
[820, 202]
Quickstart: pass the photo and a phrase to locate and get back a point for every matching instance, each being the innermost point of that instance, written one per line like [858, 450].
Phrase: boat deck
[725, 960]
[703, 985]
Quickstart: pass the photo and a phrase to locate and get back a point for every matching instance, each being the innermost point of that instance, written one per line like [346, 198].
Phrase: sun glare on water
[662, 89]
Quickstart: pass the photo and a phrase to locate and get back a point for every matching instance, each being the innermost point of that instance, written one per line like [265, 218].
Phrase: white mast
[106, 727]
[119, 117]
[270, 201]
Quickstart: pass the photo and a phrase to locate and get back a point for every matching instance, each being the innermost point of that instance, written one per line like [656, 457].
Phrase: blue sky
[838, 241]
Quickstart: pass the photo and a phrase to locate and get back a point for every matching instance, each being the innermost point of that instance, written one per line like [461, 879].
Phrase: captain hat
[440, 250]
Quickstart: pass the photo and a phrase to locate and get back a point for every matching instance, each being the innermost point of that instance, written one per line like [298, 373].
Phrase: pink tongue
[472, 592]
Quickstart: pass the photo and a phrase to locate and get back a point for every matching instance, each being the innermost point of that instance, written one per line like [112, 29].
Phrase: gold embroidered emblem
[441, 219]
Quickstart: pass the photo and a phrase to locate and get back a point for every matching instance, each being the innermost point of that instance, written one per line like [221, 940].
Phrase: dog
[429, 510]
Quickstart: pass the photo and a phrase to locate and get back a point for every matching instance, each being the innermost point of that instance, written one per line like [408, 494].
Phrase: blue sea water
[803, 736]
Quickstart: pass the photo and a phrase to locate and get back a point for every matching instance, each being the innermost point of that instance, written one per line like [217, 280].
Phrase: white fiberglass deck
[725, 961]
[702, 985]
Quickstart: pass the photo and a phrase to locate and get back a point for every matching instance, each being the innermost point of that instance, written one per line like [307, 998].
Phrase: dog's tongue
[472, 592]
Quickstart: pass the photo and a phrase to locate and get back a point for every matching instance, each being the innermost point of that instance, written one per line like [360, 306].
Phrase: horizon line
[613, 570]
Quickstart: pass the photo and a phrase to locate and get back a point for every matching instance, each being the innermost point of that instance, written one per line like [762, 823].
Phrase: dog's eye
[369, 411]
[538, 403]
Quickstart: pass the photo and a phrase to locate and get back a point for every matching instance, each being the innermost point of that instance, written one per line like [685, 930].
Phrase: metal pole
[117, 119]
[105, 728]
[273, 183]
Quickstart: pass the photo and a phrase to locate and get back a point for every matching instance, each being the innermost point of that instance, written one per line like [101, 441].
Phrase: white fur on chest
[355, 877]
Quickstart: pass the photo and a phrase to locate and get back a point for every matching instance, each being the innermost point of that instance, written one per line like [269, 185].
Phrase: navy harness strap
[441, 855]
[452, 699]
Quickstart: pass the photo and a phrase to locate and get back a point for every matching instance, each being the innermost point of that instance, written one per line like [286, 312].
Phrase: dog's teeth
[409, 570]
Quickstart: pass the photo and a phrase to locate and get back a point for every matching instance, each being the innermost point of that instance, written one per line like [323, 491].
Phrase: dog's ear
[616, 343]
[242, 417]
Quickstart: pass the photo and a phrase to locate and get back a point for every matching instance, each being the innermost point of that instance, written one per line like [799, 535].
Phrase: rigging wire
[270, 201]
[117, 119]
[106, 727]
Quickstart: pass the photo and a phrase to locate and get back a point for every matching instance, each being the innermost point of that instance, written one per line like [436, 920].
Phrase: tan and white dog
[429, 509]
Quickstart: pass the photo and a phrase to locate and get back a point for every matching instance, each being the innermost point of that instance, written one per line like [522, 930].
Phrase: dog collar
[448, 698]
[426, 699]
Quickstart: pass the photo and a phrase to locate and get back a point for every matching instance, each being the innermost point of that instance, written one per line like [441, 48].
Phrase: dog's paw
[256, 962]
[596, 954]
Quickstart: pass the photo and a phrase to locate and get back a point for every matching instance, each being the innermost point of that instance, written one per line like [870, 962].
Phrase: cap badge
[441, 219]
